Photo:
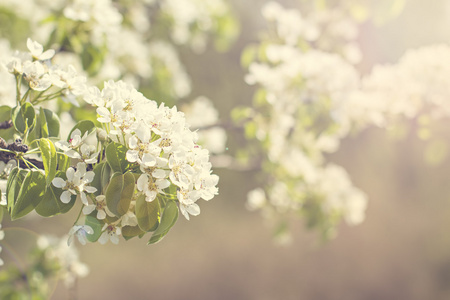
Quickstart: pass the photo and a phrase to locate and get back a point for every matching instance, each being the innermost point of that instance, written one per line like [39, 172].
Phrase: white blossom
[256, 199]
[76, 183]
[75, 141]
[37, 50]
[158, 139]
[66, 258]
[111, 233]
[36, 75]
[201, 113]
[100, 206]
[80, 232]
[88, 154]
[151, 186]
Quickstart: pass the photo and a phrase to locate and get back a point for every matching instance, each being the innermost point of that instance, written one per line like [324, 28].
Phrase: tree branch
[15, 147]
[6, 124]
[227, 125]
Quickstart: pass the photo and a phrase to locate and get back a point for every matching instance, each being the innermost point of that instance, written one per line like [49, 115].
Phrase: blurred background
[401, 250]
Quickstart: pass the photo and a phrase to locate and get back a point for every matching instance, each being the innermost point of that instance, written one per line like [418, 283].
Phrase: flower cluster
[68, 266]
[101, 16]
[201, 114]
[311, 95]
[159, 141]
[7, 89]
[162, 170]
[331, 29]
[133, 170]
[123, 42]
[194, 20]
[50, 81]
[416, 85]
[76, 183]
[49, 259]
[292, 80]
[301, 112]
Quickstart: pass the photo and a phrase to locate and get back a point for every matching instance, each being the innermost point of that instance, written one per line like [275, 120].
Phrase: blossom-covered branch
[135, 167]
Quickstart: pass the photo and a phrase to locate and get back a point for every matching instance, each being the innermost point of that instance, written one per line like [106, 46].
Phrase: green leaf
[250, 129]
[5, 115]
[227, 29]
[129, 232]
[41, 129]
[51, 204]
[241, 114]
[97, 181]
[30, 194]
[13, 185]
[96, 226]
[147, 213]
[84, 126]
[260, 98]
[119, 193]
[108, 219]
[2, 213]
[168, 219]
[48, 153]
[63, 162]
[24, 117]
[92, 58]
[248, 56]
[116, 157]
[106, 176]
[48, 124]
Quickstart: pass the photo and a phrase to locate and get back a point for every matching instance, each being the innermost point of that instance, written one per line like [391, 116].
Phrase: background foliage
[399, 252]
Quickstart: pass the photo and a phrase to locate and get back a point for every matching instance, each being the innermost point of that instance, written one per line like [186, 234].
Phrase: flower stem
[79, 214]
[25, 96]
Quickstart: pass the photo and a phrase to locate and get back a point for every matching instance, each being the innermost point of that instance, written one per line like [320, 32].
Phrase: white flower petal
[103, 238]
[162, 184]
[75, 133]
[101, 214]
[132, 155]
[70, 239]
[81, 238]
[88, 209]
[81, 169]
[193, 209]
[133, 142]
[142, 182]
[47, 54]
[151, 195]
[83, 198]
[184, 212]
[65, 197]
[88, 229]
[90, 189]
[114, 239]
[89, 176]
[148, 160]
[59, 182]
[70, 173]
[159, 173]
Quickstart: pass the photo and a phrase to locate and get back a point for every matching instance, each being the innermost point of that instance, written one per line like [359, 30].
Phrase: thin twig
[229, 162]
